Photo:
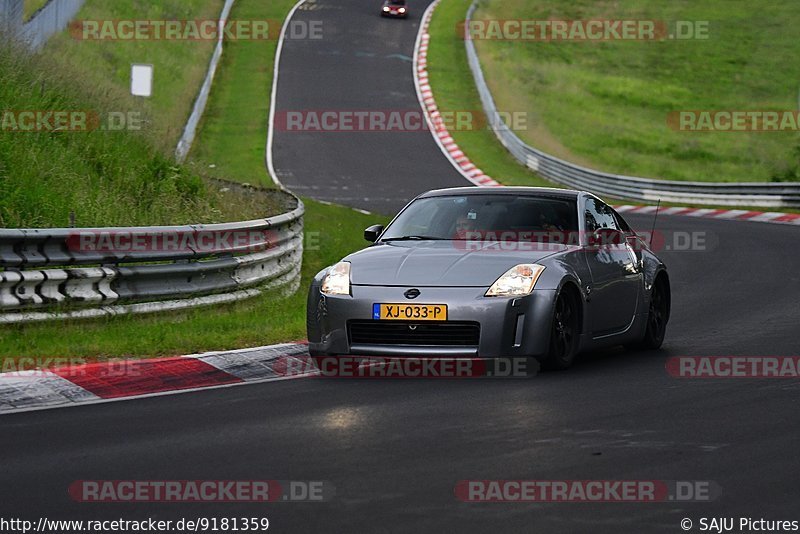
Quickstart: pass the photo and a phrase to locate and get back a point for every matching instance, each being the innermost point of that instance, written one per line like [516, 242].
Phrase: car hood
[441, 263]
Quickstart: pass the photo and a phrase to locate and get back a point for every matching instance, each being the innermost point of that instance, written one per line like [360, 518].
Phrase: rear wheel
[563, 333]
[657, 316]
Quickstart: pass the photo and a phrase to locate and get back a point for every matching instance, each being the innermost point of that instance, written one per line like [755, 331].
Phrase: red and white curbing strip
[708, 213]
[93, 383]
[475, 175]
[425, 95]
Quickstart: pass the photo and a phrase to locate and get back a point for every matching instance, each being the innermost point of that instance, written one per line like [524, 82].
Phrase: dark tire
[564, 333]
[657, 316]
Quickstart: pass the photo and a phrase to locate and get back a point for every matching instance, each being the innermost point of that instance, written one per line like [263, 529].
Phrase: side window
[599, 215]
[623, 225]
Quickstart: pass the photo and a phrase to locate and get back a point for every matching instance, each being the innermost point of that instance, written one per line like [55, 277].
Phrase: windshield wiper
[415, 238]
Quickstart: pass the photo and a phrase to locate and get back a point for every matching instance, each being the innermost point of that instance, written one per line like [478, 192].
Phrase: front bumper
[509, 327]
[394, 14]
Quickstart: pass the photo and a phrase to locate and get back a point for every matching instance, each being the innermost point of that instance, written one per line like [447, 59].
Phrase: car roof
[550, 192]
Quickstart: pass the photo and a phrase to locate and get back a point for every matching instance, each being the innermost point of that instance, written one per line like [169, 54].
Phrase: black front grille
[450, 334]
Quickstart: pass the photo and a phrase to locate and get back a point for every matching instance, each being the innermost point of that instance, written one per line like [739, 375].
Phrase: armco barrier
[46, 273]
[626, 187]
[11, 17]
[53, 17]
[190, 130]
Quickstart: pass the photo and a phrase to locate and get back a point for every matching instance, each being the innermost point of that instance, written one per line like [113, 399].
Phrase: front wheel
[563, 334]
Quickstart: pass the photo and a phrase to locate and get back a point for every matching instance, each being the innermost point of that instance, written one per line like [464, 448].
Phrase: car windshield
[504, 217]
[397, 2]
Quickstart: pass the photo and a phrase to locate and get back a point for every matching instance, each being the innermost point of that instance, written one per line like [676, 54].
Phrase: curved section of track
[362, 63]
[395, 450]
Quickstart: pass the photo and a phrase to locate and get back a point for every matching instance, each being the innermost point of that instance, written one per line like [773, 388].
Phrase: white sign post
[141, 80]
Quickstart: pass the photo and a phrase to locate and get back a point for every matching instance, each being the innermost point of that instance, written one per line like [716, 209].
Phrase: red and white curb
[434, 118]
[708, 213]
[92, 383]
[475, 175]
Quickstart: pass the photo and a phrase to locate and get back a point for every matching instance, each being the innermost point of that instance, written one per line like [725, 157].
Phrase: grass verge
[179, 66]
[30, 7]
[454, 90]
[120, 173]
[231, 141]
[106, 177]
[605, 104]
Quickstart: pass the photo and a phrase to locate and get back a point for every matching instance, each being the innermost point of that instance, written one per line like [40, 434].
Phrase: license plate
[410, 312]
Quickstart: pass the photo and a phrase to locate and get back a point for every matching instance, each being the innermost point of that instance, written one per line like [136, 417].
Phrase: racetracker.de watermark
[405, 367]
[552, 240]
[28, 367]
[189, 241]
[181, 491]
[734, 366]
[194, 30]
[734, 120]
[597, 491]
[395, 120]
[582, 30]
[65, 120]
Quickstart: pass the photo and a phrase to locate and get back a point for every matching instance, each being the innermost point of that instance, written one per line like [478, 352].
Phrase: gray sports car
[513, 272]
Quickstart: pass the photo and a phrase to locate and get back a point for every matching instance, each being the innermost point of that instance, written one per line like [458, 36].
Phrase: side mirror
[605, 237]
[371, 234]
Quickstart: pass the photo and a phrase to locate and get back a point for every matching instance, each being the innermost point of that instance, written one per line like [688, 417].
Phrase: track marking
[274, 95]
[428, 103]
[115, 381]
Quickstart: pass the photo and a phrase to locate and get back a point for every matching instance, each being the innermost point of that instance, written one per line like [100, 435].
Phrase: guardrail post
[90, 285]
[27, 288]
[51, 287]
[8, 284]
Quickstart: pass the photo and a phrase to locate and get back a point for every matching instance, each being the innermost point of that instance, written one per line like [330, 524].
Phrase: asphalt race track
[395, 449]
[363, 62]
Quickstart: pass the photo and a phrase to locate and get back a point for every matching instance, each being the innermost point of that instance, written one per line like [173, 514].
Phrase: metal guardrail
[49, 20]
[620, 186]
[11, 17]
[54, 271]
[190, 130]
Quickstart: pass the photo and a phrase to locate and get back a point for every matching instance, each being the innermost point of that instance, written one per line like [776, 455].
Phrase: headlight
[386, 8]
[402, 10]
[517, 281]
[337, 281]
